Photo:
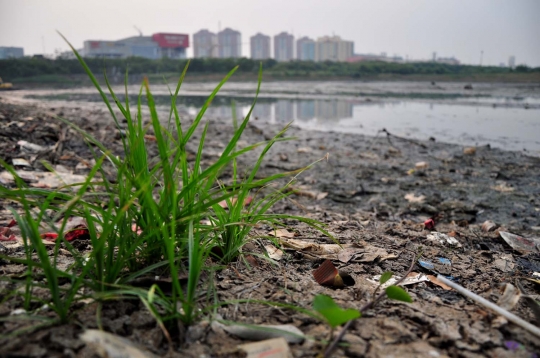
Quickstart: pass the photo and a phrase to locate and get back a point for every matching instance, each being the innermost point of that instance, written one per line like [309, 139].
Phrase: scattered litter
[412, 198]
[443, 239]
[328, 275]
[79, 233]
[31, 147]
[421, 165]
[443, 265]
[521, 244]
[279, 233]
[261, 332]
[510, 297]
[478, 299]
[270, 348]
[20, 162]
[411, 279]
[429, 224]
[108, 345]
[304, 150]
[50, 236]
[469, 150]
[44, 179]
[313, 194]
[489, 225]
[18, 311]
[273, 252]
[434, 280]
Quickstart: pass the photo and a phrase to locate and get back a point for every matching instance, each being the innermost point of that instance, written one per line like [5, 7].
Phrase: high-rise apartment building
[305, 49]
[512, 61]
[11, 52]
[260, 47]
[283, 47]
[205, 44]
[229, 43]
[333, 49]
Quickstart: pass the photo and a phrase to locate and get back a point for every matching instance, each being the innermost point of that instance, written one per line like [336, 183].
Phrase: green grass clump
[150, 215]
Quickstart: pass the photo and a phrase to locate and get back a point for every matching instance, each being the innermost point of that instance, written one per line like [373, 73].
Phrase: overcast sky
[413, 28]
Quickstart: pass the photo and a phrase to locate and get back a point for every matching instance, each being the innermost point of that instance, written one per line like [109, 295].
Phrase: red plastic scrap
[429, 224]
[7, 238]
[79, 232]
[50, 236]
[12, 223]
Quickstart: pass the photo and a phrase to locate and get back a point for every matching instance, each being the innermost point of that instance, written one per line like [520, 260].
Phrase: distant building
[11, 52]
[512, 61]
[283, 47]
[205, 44]
[333, 49]
[260, 47]
[152, 47]
[305, 49]
[229, 43]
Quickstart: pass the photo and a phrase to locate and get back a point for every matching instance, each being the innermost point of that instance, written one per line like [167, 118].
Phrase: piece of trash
[503, 188]
[443, 239]
[273, 252]
[429, 224]
[505, 263]
[434, 280]
[317, 195]
[443, 265]
[469, 150]
[51, 236]
[261, 332]
[279, 233]
[5, 232]
[510, 297]
[520, 243]
[421, 165]
[31, 147]
[270, 348]
[481, 300]
[411, 198]
[488, 226]
[108, 345]
[44, 179]
[17, 311]
[20, 162]
[80, 233]
[411, 279]
[327, 275]
[304, 150]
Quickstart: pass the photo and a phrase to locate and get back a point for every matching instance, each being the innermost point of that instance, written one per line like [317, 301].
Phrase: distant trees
[28, 67]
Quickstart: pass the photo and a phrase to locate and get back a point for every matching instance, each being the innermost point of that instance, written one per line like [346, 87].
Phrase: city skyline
[487, 31]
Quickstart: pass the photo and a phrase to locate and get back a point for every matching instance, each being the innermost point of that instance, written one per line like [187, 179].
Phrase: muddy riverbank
[375, 192]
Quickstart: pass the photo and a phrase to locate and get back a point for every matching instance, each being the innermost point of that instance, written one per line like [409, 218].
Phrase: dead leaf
[279, 233]
[434, 280]
[109, 345]
[273, 252]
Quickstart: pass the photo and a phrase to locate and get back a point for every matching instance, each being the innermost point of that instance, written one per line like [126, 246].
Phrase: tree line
[28, 67]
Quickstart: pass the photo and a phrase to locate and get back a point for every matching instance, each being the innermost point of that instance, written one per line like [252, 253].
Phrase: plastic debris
[434, 280]
[489, 225]
[429, 224]
[421, 165]
[112, 346]
[31, 147]
[442, 265]
[510, 297]
[20, 162]
[270, 348]
[443, 239]
[262, 332]
[469, 150]
[481, 300]
[520, 243]
[233, 201]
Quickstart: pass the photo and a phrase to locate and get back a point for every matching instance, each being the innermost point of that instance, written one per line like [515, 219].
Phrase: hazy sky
[413, 28]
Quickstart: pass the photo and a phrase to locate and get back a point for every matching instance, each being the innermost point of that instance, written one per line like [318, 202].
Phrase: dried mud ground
[360, 192]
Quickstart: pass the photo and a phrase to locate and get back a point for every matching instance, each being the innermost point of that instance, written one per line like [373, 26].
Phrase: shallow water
[506, 116]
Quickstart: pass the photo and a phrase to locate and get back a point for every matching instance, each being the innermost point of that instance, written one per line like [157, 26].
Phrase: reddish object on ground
[12, 223]
[327, 275]
[77, 233]
[429, 224]
[49, 236]
[7, 238]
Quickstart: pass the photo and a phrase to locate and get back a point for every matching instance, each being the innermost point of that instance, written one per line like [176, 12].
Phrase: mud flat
[374, 192]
